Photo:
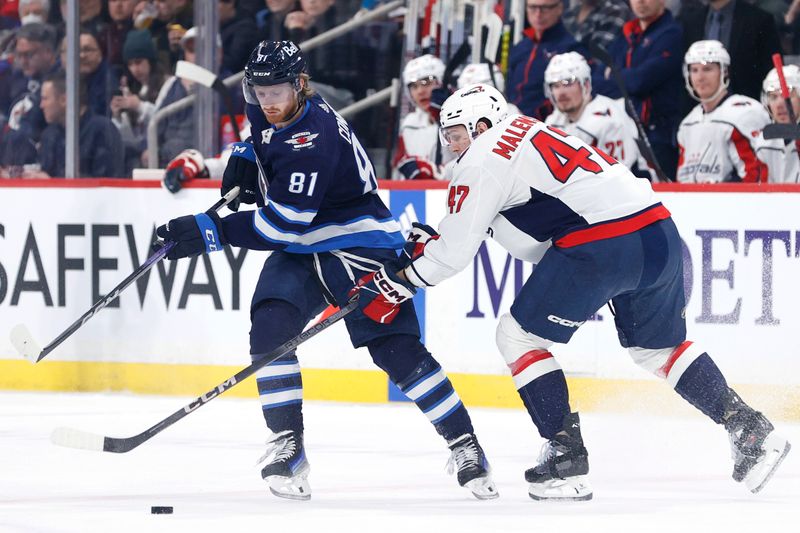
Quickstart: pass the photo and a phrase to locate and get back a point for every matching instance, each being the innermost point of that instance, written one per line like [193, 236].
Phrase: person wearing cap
[134, 103]
[781, 154]
[719, 139]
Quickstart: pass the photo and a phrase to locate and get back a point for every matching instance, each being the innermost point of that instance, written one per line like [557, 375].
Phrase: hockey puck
[160, 510]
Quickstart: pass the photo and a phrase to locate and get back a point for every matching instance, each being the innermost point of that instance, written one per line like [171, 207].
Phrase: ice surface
[376, 468]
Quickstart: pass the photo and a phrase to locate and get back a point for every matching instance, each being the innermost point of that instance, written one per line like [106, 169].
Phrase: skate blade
[776, 448]
[574, 488]
[291, 488]
[483, 488]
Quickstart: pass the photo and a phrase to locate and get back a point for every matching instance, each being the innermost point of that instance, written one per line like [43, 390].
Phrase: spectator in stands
[598, 121]
[781, 154]
[101, 150]
[749, 33]
[648, 55]
[419, 154]
[101, 80]
[176, 132]
[527, 60]
[34, 11]
[17, 152]
[34, 58]
[598, 21]
[92, 18]
[270, 20]
[121, 14]
[719, 139]
[335, 68]
[239, 36]
[174, 18]
[134, 104]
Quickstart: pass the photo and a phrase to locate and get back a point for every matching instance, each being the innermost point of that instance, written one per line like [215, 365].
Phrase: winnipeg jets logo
[302, 140]
[266, 135]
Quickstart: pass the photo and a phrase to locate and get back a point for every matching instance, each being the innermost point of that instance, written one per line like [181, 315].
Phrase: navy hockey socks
[703, 385]
[280, 387]
[547, 400]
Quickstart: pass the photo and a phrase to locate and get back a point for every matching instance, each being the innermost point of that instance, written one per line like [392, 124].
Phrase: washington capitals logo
[302, 140]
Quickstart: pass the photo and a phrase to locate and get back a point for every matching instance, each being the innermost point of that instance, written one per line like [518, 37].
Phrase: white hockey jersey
[605, 124]
[723, 145]
[530, 186]
[419, 137]
[782, 159]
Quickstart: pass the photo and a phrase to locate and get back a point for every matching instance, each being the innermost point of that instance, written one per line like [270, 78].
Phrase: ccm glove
[381, 293]
[193, 235]
[186, 166]
[241, 170]
[416, 168]
[419, 237]
[438, 96]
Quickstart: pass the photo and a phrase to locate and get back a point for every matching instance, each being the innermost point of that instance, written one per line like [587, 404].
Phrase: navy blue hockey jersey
[318, 188]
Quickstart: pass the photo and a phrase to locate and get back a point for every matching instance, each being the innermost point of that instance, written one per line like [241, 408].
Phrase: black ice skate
[287, 469]
[468, 459]
[756, 449]
[563, 465]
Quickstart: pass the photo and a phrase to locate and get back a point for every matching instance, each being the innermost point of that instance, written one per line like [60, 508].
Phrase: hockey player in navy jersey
[320, 215]
[598, 234]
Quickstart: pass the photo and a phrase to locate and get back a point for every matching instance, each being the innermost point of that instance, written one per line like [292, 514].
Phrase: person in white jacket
[719, 140]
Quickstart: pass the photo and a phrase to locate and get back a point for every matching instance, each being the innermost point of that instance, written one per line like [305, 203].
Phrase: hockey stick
[643, 143]
[783, 131]
[206, 78]
[21, 336]
[75, 438]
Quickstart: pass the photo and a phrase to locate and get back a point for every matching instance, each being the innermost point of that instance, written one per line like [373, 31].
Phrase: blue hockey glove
[193, 235]
[381, 293]
[419, 237]
[241, 170]
[438, 96]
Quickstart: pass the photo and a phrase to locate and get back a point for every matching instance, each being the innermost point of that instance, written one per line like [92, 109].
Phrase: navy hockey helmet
[273, 63]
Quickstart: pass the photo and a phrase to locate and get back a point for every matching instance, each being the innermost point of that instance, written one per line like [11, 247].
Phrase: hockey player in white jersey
[611, 240]
[720, 138]
[781, 155]
[418, 154]
[598, 121]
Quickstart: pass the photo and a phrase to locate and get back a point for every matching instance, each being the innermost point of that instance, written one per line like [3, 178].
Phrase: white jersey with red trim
[529, 185]
[605, 124]
[419, 137]
[782, 159]
[722, 145]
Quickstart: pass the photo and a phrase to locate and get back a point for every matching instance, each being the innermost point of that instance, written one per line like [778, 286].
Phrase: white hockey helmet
[479, 73]
[423, 67]
[570, 66]
[469, 105]
[772, 84]
[705, 52]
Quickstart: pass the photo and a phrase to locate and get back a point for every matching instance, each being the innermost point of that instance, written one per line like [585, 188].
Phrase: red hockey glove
[381, 293]
[419, 236]
[186, 166]
[416, 168]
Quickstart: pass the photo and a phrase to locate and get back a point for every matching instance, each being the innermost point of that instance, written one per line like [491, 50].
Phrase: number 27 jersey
[526, 182]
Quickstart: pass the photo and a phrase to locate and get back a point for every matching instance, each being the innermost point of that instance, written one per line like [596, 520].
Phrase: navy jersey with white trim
[318, 188]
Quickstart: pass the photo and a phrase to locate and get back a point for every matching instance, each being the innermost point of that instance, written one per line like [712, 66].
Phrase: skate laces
[280, 448]
[547, 452]
[463, 455]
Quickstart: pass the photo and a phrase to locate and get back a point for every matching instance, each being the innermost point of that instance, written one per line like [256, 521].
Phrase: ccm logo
[212, 242]
[387, 289]
[564, 322]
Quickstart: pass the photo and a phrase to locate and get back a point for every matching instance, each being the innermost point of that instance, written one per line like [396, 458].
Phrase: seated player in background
[418, 154]
[598, 121]
[719, 139]
[781, 155]
[321, 217]
[521, 181]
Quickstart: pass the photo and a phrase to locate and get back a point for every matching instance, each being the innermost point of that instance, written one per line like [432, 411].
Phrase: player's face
[777, 106]
[568, 95]
[457, 138]
[704, 78]
[421, 91]
[276, 101]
